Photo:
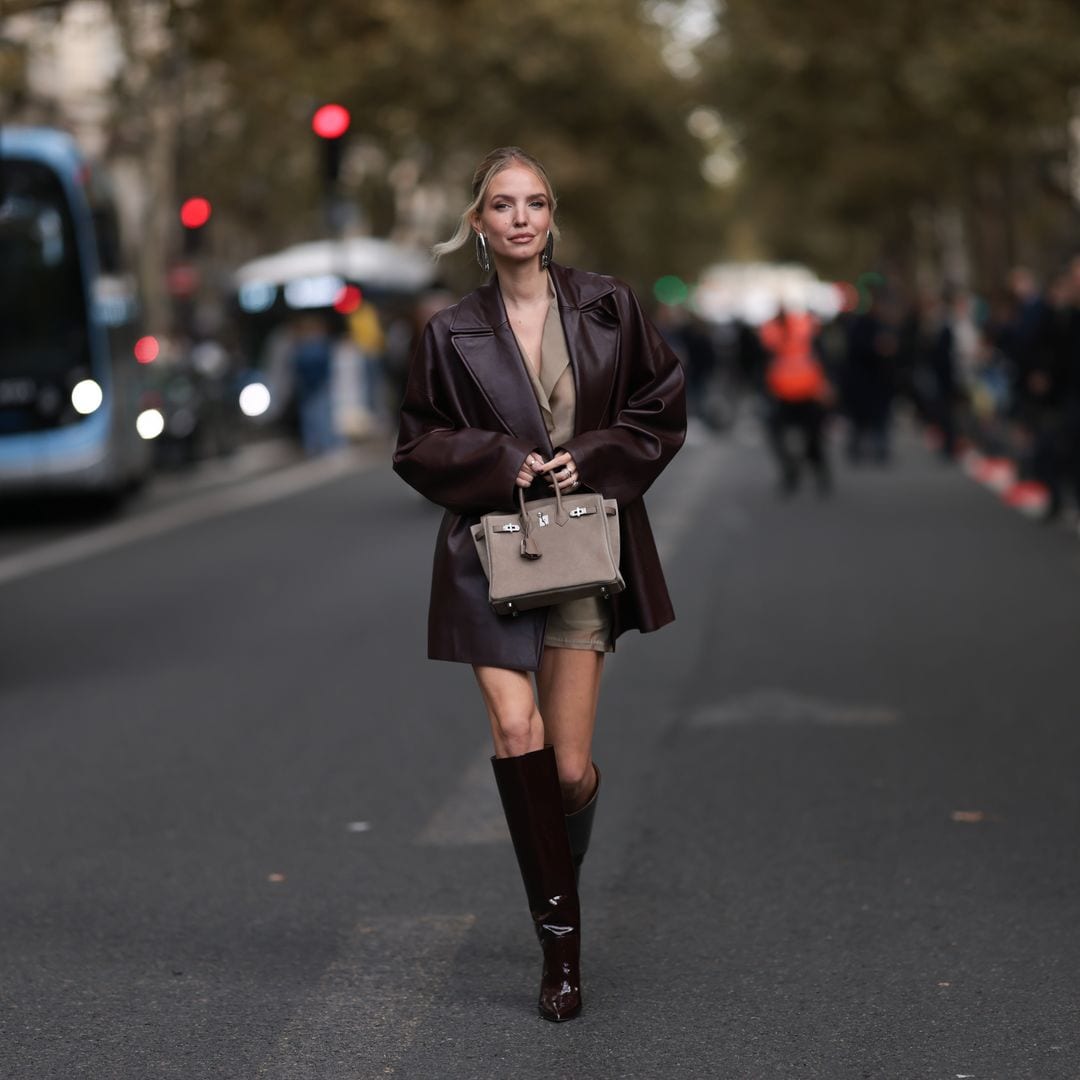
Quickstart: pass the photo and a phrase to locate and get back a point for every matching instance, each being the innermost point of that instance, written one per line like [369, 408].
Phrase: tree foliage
[903, 132]
[432, 86]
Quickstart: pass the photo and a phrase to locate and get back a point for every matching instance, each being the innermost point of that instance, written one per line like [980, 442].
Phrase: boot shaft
[579, 826]
[532, 801]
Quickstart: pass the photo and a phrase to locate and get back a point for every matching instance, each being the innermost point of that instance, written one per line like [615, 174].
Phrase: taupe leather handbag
[555, 549]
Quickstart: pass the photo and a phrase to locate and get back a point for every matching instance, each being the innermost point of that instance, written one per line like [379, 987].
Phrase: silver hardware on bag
[542, 518]
[578, 511]
[508, 528]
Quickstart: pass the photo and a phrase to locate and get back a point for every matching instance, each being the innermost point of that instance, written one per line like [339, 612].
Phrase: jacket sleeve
[649, 426]
[467, 470]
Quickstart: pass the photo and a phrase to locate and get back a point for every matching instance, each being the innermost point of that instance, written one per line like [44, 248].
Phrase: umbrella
[378, 264]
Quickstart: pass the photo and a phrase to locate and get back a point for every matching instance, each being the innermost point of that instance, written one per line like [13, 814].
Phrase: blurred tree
[432, 86]
[20, 7]
[928, 136]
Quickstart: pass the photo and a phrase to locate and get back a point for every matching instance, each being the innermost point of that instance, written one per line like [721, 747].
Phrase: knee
[575, 775]
[517, 731]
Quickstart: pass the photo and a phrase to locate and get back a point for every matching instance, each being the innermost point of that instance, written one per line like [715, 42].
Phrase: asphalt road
[249, 831]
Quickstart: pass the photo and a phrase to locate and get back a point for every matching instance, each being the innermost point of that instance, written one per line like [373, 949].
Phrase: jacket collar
[484, 340]
[483, 311]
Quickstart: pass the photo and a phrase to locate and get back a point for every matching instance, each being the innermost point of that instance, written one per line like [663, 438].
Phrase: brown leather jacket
[470, 418]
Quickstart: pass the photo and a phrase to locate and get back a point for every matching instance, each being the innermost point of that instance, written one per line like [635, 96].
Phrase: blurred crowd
[999, 375]
[995, 375]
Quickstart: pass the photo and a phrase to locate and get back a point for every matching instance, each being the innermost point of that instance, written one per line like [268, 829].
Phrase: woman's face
[516, 215]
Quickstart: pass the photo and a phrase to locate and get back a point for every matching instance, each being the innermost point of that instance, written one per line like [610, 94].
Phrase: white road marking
[687, 495]
[266, 489]
[362, 1016]
[774, 706]
[471, 813]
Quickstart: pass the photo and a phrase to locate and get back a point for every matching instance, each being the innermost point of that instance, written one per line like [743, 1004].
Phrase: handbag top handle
[529, 550]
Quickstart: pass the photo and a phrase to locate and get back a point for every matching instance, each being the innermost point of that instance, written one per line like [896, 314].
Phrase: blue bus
[71, 388]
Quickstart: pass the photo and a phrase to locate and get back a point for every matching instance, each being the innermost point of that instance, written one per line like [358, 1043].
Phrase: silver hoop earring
[545, 255]
[482, 256]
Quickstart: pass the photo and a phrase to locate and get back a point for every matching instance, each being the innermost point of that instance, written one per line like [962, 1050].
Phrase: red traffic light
[147, 349]
[331, 121]
[195, 213]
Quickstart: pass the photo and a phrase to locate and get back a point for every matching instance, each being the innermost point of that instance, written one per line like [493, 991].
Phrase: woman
[544, 376]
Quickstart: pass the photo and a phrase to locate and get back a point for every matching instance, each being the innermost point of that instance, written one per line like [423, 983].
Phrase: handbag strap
[529, 550]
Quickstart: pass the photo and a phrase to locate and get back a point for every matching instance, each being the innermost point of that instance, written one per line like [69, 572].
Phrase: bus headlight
[254, 399]
[86, 397]
[150, 423]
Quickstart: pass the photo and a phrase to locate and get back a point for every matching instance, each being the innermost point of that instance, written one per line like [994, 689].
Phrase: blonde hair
[486, 171]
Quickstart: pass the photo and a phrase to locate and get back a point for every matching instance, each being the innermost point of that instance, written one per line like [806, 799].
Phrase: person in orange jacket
[798, 393]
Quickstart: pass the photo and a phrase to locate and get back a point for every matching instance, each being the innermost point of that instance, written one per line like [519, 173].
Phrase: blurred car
[195, 388]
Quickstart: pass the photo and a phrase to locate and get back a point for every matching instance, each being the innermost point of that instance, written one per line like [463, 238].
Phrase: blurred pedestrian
[990, 396]
[404, 335]
[544, 376]
[868, 383]
[1042, 392]
[312, 356]
[368, 336]
[797, 392]
[1066, 387]
[935, 366]
[691, 341]
[1019, 328]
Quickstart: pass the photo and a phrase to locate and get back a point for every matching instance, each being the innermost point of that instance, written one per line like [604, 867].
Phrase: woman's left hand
[561, 470]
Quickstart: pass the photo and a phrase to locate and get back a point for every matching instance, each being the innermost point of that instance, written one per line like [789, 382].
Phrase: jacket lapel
[592, 339]
[488, 348]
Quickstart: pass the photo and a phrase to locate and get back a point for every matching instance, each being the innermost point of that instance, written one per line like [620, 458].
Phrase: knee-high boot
[579, 827]
[532, 800]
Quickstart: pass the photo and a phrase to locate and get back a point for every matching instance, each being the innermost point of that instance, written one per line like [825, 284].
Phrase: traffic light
[194, 214]
[330, 123]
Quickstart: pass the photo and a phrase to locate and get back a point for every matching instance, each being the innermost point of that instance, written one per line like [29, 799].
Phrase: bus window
[108, 239]
[106, 226]
[44, 347]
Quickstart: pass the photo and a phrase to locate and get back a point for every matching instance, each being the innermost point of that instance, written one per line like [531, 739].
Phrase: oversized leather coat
[470, 418]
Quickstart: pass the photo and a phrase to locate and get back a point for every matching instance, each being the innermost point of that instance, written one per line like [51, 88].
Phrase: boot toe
[559, 1004]
[560, 983]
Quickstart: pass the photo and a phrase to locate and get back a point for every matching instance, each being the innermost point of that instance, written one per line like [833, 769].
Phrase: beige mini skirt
[580, 624]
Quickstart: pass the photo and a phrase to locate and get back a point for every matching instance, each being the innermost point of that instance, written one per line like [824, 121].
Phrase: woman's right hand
[527, 473]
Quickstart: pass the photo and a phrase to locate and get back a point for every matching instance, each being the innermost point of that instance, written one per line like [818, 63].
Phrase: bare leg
[568, 686]
[516, 726]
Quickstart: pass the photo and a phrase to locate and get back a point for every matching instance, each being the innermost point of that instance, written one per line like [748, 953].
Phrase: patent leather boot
[532, 801]
[579, 827]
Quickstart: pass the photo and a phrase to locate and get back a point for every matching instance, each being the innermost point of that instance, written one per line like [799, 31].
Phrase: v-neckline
[538, 368]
